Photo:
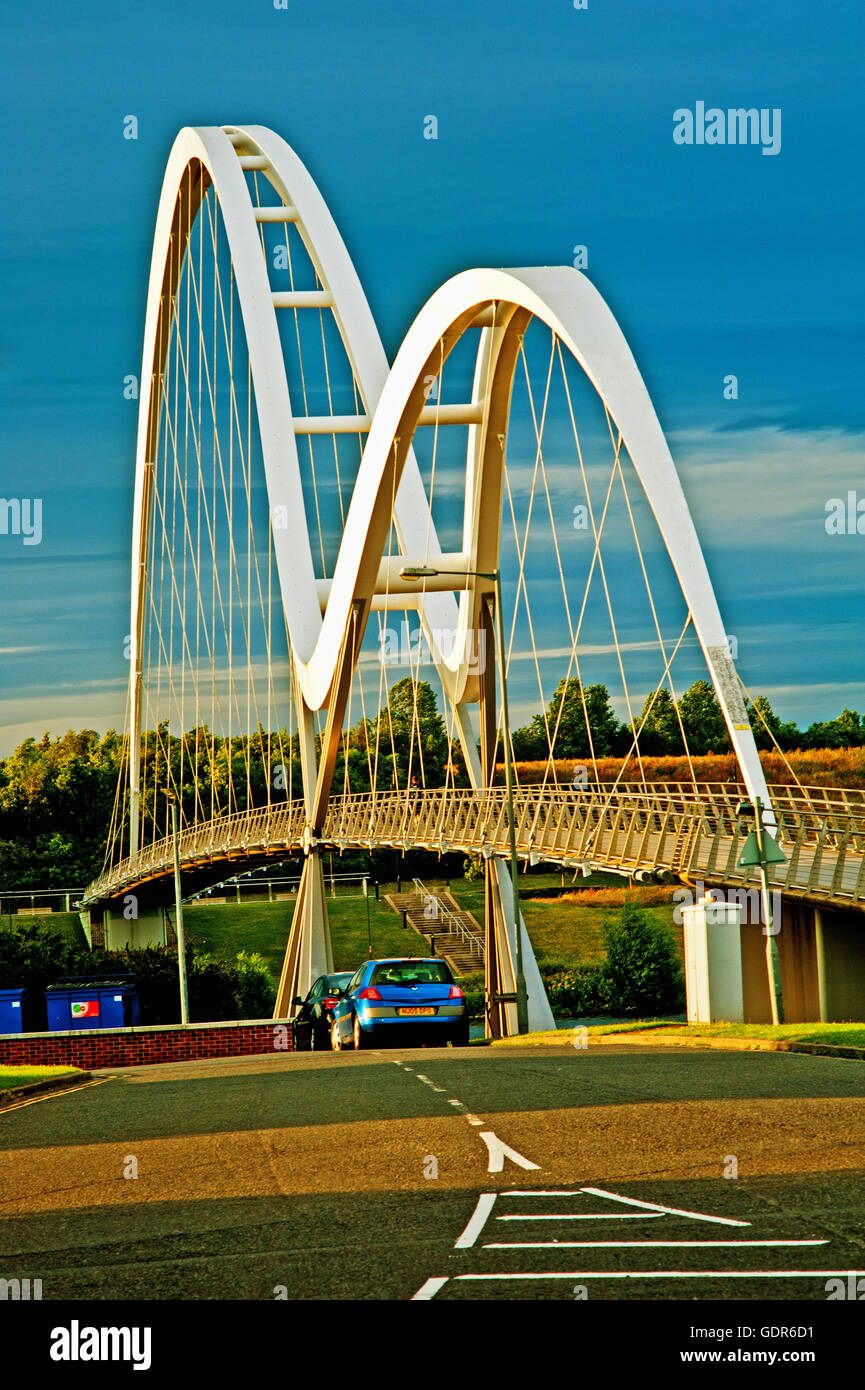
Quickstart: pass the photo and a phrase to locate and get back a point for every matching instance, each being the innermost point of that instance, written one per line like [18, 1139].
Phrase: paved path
[315, 1175]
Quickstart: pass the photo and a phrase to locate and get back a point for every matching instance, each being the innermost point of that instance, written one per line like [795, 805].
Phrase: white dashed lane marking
[498, 1151]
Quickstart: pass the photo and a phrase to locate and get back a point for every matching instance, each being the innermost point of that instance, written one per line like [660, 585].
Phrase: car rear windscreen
[420, 972]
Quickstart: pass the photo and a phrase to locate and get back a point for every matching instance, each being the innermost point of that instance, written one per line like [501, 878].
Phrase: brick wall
[132, 1047]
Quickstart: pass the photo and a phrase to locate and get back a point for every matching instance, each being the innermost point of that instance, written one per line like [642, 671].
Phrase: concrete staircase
[454, 934]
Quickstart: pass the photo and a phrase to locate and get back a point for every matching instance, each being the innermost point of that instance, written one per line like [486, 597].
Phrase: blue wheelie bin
[11, 1010]
[81, 1001]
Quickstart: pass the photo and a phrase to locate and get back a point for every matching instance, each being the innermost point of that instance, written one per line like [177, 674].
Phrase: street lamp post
[761, 849]
[178, 920]
[368, 928]
[425, 572]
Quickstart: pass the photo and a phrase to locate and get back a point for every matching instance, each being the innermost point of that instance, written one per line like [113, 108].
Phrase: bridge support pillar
[308, 953]
[839, 948]
[500, 954]
[499, 975]
[149, 927]
[821, 954]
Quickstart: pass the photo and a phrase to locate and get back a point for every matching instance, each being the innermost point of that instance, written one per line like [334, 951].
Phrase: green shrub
[641, 971]
[578, 993]
[34, 955]
[641, 974]
[472, 986]
[552, 966]
[212, 988]
[256, 994]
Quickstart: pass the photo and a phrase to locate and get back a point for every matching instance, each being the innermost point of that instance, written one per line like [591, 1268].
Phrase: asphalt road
[363, 1177]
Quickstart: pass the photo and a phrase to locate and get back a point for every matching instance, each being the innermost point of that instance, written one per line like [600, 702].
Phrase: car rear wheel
[319, 1040]
[360, 1038]
[335, 1039]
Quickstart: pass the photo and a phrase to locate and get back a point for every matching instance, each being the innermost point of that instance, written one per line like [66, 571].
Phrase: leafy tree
[660, 735]
[571, 713]
[413, 742]
[56, 798]
[830, 733]
[473, 868]
[530, 744]
[854, 727]
[702, 720]
[764, 723]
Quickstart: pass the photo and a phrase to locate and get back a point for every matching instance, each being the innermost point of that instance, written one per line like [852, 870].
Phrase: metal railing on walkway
[671, 828]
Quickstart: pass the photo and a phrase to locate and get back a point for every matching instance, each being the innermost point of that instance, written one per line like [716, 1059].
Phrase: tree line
[665, 725]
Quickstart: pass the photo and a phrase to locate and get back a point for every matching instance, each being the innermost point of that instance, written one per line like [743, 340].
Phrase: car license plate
[414, 1013]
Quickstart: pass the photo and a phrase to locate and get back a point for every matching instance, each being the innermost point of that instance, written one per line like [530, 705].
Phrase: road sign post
[760, 849]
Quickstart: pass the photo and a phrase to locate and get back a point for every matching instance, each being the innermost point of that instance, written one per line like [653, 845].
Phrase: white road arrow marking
[499, 1152]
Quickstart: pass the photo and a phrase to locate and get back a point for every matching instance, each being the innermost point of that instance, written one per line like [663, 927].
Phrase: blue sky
[555, 128]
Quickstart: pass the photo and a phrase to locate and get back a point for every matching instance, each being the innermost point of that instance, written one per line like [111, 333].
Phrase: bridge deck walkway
[669, 828]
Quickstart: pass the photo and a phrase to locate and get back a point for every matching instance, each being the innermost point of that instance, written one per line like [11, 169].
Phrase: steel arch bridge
[227, 403]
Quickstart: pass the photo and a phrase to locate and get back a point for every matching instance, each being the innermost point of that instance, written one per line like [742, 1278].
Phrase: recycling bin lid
[75, 982]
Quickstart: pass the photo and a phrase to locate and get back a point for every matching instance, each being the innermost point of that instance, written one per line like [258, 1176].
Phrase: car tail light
[369, 993]
[456, 993]
[331, 1003]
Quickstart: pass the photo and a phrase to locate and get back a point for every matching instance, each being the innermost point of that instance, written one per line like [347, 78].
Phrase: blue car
[401, 1001]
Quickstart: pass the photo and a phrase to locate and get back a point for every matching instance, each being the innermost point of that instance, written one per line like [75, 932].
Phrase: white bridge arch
[326, 620]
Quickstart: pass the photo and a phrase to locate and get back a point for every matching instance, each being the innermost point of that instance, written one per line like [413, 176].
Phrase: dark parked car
[310, 1027]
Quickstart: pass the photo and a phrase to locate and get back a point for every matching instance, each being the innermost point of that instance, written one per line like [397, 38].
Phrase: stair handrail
[443, 911]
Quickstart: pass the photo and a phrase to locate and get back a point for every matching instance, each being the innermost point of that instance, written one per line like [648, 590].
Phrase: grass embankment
[67, 923]
[12, 1077]
[567, 929]
[264, 927]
